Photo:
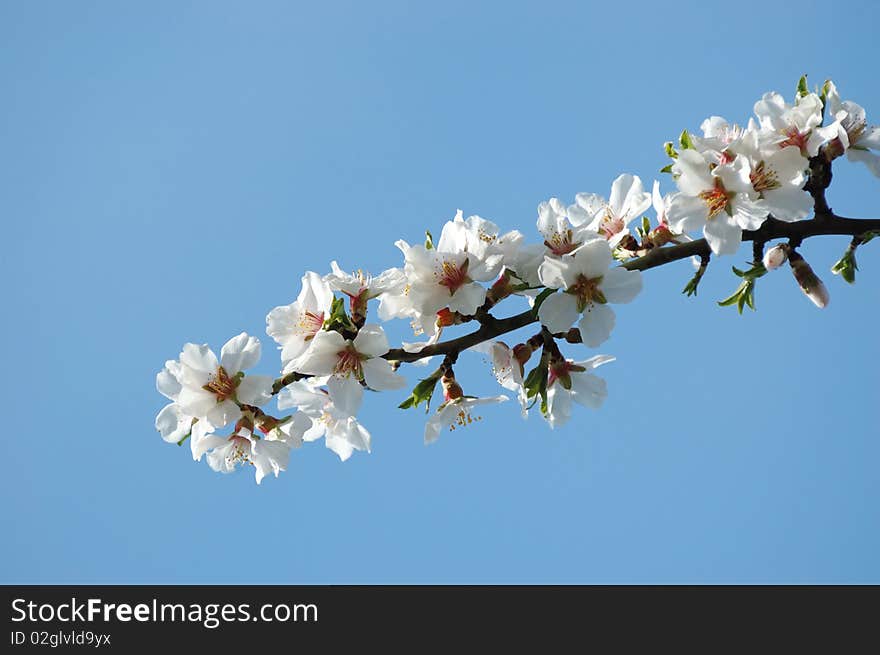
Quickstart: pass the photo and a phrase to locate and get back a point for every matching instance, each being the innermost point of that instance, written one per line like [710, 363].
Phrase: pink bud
[808, 281]
[776, 256]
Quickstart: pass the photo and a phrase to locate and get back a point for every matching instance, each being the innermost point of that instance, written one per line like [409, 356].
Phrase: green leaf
[867, 236]
[422, 393]
[846, 266]
[744, 296]
[690, 289]
[802, 88]
[429, 240]
[686, 141]
[666, 169]
[671, 152]
[535, 383]
[338, 319]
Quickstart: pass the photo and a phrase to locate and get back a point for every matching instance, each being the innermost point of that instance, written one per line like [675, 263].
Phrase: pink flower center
[611, 225]
[795, 138]
[222, 385]
[453, 276]
[349, 363]
[561, 243]
[240, 453]
[311, 323]
[559, 369]
[764, 178]
[586, 291]
[717, 199]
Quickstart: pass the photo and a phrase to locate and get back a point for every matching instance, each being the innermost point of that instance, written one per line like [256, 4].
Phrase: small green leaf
[671, 152]
[846, 266]
[666, 169]
[535, 383]
[690, 289]
[429, 240]
[867, 236]
[422, 392]
[802, 88]
[686, 141]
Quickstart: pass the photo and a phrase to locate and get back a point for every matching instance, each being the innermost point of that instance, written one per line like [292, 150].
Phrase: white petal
[346, 394]
[592, 260]
[558, 405]
[551, 272]
[302, 395]
[686, 213]
[255, 390]
[196, 402]
[172, 424]
[315, 295]
[789, 203]
[371, 341]
[322, 354]
[269, 456]
[166, 381]
[588, 390]
[379, 375]
[596, 325]
[748, 214]
[723, 235]
[339, 446]
[467, 299]
[558, 312]
[620, 285]
[199, 358]
[239, 353]
[223, 414]
[693, 173]
[869, 159]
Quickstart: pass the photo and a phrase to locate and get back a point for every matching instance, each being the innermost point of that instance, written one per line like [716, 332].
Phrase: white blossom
[267, 454]
[456, 413]
[778, 176]
[172, 422]
[588, 284]
[348, 363]
[563, 233]
[294, 326]
[719, 200]
[611, 218]
[506, 369]
[211, 391]
[342, 432]
[861, 142]
[572, 381]
[361, 287]
[798, 125]
[447, 276]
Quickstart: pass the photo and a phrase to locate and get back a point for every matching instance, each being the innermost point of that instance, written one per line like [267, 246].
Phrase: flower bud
[808, 281]
[522, 352]
[445, 318]
[451, 388]
[776, 256]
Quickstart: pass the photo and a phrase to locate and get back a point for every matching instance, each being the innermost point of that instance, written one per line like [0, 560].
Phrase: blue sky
[171, 169]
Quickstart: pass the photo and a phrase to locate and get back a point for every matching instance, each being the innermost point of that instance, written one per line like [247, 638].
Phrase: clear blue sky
[170, 169]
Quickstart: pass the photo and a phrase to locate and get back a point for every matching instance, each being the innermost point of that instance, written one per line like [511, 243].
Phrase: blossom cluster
[727, 180]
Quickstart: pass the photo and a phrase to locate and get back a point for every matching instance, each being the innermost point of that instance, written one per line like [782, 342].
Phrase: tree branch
[824, 223]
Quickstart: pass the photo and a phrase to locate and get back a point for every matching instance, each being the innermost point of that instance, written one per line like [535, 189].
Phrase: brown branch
[824, 223]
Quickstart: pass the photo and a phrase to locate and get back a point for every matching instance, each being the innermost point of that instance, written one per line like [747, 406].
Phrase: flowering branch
[821, 224]
[755, 184]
